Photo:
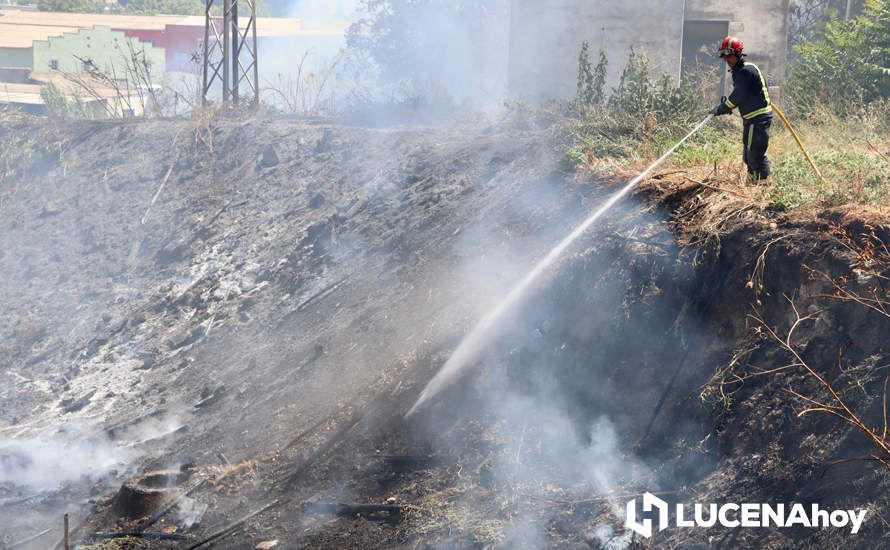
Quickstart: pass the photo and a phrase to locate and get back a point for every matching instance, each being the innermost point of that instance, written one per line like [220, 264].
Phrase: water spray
[476, 340]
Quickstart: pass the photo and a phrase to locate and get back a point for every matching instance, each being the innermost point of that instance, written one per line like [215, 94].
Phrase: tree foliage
[77, 6]
[847, 63]
[807, 18]
[140, 7]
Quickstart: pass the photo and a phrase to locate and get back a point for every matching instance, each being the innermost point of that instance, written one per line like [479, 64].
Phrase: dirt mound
[259, 303]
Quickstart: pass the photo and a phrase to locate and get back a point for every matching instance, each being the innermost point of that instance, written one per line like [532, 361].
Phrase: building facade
[40, 39]
[107, 50]
[680, 37]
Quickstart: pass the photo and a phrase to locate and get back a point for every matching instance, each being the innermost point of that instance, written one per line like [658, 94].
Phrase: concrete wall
[762, 25]
[17, 57]
[546, 37]
[106, 48]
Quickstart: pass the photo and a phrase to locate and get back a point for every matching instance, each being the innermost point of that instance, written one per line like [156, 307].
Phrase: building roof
[29, 94]
[20, 28]
[13, 35]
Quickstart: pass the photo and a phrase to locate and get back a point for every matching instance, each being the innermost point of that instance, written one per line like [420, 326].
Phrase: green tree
[140, 7]
[808, 17]
[847, 64]
[78, 6]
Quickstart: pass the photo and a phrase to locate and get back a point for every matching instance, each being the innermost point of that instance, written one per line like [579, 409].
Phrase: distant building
[178, 38]
[97, 48]
[69, 44]
[678, 36]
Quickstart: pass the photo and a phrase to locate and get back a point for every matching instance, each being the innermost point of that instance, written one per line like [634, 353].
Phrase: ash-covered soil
[252, 307]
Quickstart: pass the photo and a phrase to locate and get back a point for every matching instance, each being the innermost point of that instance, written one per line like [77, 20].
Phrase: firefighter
[750, 96]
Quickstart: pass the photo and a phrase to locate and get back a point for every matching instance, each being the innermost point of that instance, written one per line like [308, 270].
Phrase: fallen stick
[140, 535]
[398, 462]
[377, 512]
[716, 188]
[32, 538]
[321, 294]
[601, 498]
[157, 193]
[332, 441]
[163, 182]
[110, 430]
[231, 527]
[306, 432]
[875, 149]
[18, 500]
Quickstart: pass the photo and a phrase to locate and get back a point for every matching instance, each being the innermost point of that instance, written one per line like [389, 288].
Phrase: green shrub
[58, 105]
[591, 80]
[846, 65]
[640, 112]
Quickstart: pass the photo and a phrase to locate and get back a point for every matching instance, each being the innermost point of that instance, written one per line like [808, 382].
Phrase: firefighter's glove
[721, 109]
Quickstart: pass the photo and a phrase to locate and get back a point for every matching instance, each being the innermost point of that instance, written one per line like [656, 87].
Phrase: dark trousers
[756, 141]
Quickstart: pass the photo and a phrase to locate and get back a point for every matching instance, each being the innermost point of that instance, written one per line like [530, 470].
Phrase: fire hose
[799, 142]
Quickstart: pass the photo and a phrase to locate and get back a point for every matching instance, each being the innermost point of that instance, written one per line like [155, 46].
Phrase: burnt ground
[254, 306]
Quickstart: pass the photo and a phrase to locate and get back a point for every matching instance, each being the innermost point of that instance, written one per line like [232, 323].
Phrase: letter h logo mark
[650, 503]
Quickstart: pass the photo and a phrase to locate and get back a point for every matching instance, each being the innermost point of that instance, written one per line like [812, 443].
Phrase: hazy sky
[326, 9]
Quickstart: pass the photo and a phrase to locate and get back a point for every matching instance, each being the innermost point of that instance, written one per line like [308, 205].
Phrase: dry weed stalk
[137, 81]
[872, 263]
[835, 406]
[756, 280]
[844, 294]
[306, 92]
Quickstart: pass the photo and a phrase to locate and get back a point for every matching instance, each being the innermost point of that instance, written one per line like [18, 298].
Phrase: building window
[54, 64]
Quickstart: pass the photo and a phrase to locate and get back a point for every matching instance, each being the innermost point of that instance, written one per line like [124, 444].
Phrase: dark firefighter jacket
[749, 91]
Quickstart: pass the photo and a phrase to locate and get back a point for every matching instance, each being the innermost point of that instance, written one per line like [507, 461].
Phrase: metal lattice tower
[230, 52]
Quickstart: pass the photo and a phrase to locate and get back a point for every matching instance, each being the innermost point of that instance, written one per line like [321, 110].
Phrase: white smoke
[45, 464]
[46, 461]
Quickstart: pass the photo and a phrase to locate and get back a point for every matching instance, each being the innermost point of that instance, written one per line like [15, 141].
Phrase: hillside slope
[256, 305]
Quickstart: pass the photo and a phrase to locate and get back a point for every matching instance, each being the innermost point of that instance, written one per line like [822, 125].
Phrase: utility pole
[230, 52]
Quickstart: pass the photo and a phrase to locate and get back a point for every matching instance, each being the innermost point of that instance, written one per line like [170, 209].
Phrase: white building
[677, 36]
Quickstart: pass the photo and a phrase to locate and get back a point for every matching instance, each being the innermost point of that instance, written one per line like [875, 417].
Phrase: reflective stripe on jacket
[749, 91]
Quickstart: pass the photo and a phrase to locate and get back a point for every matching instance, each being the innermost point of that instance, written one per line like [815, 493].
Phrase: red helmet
[731, 46]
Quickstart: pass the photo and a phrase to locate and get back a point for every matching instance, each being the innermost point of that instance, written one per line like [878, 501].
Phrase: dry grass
[852, 153]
